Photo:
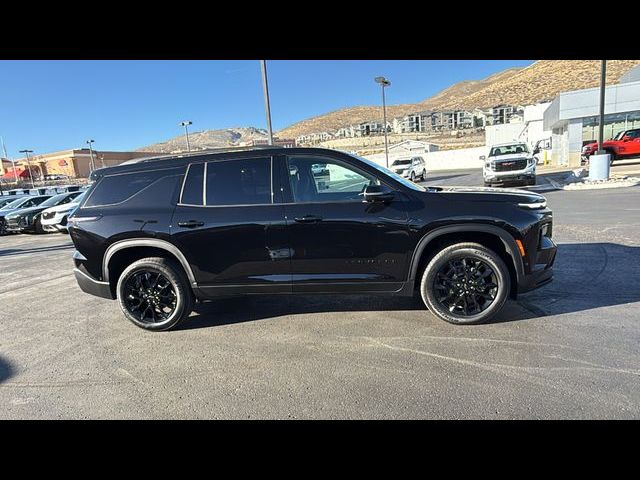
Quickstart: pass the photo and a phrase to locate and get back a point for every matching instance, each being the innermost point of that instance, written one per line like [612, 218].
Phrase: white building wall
[460, 159]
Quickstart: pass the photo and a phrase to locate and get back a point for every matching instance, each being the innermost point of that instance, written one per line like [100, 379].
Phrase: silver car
[411, 168]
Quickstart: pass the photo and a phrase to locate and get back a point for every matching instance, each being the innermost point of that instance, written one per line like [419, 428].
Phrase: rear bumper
[92, 286]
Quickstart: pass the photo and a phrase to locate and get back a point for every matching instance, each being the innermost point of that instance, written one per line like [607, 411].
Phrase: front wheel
[154, 293]
[465, 283]
[424, 175]
[413, 176]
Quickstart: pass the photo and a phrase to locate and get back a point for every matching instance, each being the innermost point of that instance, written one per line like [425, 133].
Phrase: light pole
[185, 124]
[384, 83]
[93, 165]
[27, 152]
[265, 88]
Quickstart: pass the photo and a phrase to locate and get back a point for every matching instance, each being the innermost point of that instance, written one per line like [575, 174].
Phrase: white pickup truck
[509, 163]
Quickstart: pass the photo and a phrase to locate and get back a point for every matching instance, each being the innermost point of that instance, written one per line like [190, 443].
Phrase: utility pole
[13, 163]
[265, 89]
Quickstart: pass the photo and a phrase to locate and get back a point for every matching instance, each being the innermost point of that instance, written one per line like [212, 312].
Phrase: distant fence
[459, 159]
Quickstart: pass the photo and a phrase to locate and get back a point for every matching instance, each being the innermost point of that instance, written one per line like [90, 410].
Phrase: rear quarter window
[114, 189]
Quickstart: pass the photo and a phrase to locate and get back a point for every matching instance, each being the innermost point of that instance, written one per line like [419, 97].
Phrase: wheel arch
[427, 246]
[125, 252]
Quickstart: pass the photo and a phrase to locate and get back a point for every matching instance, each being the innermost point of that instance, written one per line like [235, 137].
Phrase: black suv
[159, 233]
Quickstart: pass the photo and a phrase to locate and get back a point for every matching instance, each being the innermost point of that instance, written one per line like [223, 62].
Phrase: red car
[624, 145]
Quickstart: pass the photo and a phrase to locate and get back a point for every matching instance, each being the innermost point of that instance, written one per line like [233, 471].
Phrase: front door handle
[191, 224]
[308, 219]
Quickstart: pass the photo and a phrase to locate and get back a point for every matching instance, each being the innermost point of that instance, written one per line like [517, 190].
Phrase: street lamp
[265, 89]
[185, 124]
[384, 83]
[93, 165]
[27, 152]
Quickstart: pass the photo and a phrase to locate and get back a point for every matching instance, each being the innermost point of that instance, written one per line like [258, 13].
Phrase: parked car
[157, 234]
[54, 219]
[624, 145]
[24, 201]
[410, 168]
[509, 163]
[28, 219]
[541, 148]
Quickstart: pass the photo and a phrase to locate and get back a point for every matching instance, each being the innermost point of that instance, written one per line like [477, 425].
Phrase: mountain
[541, 81]
[206, 139]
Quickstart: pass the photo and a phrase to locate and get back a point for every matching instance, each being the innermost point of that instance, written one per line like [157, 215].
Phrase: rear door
[231, 227]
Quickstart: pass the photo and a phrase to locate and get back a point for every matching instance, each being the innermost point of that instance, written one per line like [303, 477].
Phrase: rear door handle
[308, 219]
[191, 224]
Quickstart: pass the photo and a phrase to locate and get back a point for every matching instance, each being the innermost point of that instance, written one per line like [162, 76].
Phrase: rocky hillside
[542, 80]
[228, 137]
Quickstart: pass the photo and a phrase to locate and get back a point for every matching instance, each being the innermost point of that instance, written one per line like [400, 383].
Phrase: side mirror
[483, 158]
[375, 193]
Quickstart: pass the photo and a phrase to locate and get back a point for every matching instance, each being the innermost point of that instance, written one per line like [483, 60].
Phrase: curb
[631, 182]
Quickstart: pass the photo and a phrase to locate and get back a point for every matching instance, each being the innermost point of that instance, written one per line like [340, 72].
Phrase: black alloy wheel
[149, 296]
[466, 286]
[155, 294]
[465, 283]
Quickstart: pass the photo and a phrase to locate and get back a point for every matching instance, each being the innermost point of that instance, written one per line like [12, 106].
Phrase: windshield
[386, 171]
[57, 200]
[401, 162]
[14, 204]
[5, 201]
[509, 149]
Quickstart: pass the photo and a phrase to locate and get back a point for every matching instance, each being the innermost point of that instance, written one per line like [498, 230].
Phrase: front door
[231, 228]
[339, 242]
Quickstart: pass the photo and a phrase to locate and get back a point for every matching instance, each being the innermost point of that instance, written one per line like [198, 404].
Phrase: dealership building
[74, 163]
[573, 117]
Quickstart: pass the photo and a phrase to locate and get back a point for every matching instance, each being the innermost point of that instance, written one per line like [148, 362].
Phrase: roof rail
[200, 152]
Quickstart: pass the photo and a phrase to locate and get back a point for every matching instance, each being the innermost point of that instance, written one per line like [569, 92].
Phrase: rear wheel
[465, 283]
[154, 293]
[37, 226]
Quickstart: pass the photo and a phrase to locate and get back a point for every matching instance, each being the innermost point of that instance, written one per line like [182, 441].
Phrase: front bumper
[505, 177]
[541, 271]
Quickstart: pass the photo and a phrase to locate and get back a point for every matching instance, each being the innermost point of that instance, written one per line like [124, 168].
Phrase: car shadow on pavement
[9, 252]
[586, 276]
[6, 370]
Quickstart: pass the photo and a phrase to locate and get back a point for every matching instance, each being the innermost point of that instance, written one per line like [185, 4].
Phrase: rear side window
[119, 188]
[239, 182]
[192, 189]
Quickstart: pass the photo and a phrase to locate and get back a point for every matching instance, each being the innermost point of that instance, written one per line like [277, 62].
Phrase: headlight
[533, 206]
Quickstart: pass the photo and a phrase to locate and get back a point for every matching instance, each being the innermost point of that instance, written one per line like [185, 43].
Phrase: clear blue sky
[123, 105]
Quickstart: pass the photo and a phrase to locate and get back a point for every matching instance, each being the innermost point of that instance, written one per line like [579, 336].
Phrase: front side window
[238, 182]
[317, 179]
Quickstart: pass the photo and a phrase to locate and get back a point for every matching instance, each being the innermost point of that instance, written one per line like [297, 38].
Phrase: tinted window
[335, 181]
[118, 188]
[239, 182]
[192, 191]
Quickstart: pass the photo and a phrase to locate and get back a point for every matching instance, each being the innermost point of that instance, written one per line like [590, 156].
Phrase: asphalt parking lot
[568, 350]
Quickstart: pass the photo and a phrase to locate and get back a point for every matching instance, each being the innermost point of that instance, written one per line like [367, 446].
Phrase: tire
[37, 227]
[531, 181]
[413, 177]
[487, 184]
[424, 175]
[182, 299]
[432, 295]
